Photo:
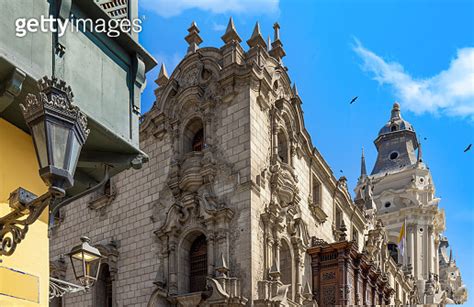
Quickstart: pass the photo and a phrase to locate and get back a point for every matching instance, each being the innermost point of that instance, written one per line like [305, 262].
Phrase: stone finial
[307, 294]
[256, 39]
[342, 231]
[221, 266]
[363, 168]
[193, 38]
[276, 29]
[277, 50]
[274, 272]
[295, 90]
[162, 76]
[395, 111]
[230, 34]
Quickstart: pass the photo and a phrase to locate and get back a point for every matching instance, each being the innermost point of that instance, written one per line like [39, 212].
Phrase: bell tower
[401, 193]
[396, 144]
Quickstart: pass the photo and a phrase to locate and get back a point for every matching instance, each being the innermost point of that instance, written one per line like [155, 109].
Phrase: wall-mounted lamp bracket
[27, 208]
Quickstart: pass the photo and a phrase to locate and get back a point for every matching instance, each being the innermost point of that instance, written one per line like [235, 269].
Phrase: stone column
[172, 260]
[430, 250]
[277, 245]
[416, 253]
[436, 254]
[299, 263]
[267, 246]
[274, 133]
[210, 253]
[176, 147]
[411, 245]
[208, 129]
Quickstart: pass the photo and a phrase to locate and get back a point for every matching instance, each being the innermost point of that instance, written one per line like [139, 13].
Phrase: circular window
[422, 180]
[421, 229]
[387, 204]
[393, 155]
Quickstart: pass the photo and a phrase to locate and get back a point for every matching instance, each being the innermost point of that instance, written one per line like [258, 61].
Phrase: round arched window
[393, 155]
[198, 264]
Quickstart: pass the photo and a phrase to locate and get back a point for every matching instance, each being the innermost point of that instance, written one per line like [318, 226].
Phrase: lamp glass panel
[75, 150]
[77, 263]
[59, 136]
[92, 270]
[87, 256]
[39, 137]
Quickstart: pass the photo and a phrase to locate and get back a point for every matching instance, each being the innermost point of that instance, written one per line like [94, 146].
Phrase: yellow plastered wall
[24, 276]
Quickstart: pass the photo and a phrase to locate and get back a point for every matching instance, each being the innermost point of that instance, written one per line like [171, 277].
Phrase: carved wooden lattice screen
[198, 265]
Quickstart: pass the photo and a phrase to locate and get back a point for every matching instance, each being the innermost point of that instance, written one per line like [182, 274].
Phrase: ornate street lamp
[59, 130]
[85, 260]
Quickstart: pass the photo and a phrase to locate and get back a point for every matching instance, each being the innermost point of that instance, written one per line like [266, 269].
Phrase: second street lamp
[85, 260]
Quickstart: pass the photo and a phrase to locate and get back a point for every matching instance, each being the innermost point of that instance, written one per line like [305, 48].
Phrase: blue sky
[420, 53]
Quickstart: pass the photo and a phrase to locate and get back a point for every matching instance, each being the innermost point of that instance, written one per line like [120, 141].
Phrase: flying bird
[353, 99]
[341, 171]
[468, 148]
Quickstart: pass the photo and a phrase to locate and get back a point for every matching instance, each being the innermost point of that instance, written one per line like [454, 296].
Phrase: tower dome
[396, 122]
[396, 144]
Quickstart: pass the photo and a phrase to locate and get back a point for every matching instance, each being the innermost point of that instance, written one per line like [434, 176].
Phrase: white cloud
[170, 8]
[450, 92]
[218, 27]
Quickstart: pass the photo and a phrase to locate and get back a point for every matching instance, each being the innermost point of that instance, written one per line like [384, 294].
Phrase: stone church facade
[401, 193]
[236, 207]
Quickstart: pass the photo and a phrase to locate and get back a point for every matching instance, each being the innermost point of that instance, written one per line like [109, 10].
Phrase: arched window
[198, 140]
[286, 267]
[193, 136]
[198, 264]
[103, 288]
[283, 147]
[393, 251]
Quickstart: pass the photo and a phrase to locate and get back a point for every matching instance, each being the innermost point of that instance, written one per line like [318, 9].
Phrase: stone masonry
[230, 160]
